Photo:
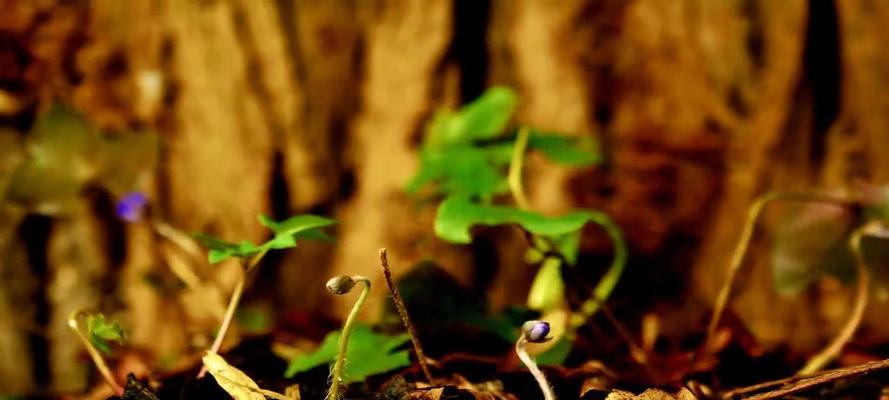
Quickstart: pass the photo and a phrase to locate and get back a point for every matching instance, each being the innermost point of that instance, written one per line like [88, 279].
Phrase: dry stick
[402, 312]
[821, 379]
[832, 350]
[232, 306]
[746, 234]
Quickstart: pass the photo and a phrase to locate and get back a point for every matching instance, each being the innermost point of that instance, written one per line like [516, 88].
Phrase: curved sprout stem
[532, 366]
[829, 353]
[608, 281]
[232, 306]
[744, 242]
[405, 319]
[74, 324]
[337, 372]
[515, 169]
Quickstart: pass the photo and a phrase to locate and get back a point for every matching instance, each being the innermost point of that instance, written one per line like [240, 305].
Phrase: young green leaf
[463, 170]
[483, 118]
[577, 151]
[295, 224]
[547, 290]
[369, 354]
[457, 215]
[101, 331]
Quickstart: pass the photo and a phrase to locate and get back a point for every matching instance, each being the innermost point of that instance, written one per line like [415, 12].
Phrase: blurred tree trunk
[285, 107]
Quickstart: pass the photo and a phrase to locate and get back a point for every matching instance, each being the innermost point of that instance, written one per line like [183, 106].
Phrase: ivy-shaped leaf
[457, 215]
[483, 118]
[101, 331]
[368, 354]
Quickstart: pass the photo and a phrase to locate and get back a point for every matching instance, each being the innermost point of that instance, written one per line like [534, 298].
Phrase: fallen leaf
[235, 382]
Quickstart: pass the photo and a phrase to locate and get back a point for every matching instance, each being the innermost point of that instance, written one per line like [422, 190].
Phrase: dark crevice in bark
[34, 232]
[821, 58]
[469, 45]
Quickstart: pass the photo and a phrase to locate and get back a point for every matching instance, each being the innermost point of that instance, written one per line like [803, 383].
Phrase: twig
[232, 306]
[807, 383]
[746, 234]
[832, 350]
[405, 319]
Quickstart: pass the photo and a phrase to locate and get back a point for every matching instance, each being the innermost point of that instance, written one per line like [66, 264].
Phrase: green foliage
[368, 354]
[547, 290]
[557, 354]
[467, 152]
[286, 233]
[66, 153]
[101, 331]
[457, 215]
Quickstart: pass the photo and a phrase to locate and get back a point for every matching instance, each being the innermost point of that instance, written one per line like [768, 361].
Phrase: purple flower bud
[536, 331]
[130, 207]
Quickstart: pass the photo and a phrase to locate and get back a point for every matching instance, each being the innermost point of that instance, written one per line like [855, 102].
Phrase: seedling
[874, 211]
[341, 285]
[402, 313]
[470, 156]
[99, 332]
[534, 332]
[285, 236]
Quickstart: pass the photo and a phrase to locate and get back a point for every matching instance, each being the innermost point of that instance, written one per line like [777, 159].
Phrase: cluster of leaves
[371, 353]
[465, 157]
[286, 233]
[101, 331]
[66, 153]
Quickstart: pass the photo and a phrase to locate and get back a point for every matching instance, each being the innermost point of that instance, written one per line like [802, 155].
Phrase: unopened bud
[341, 284]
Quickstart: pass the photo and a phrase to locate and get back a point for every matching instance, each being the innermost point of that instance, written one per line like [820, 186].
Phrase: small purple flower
[536, 331]
[130, 207]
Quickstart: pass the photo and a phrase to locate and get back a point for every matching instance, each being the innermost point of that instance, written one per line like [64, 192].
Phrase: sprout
[534, 332]
[99, 331]
[131, 206]
[341, 285]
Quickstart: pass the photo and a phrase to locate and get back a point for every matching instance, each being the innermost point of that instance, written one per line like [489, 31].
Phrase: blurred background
[220, 110]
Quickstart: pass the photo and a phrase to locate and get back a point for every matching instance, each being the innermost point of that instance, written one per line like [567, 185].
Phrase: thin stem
[232, 306]
[532, 366]
[337, 373]
[405, 319]
[829, 353]
[817, 380]
[746, 234]
[94, 354]
[608, 281]
[515, 169]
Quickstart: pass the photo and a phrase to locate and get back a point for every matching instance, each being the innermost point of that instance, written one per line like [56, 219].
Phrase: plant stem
[337, 373]
[515, 169]
[532, 366]
[829, 353]
[94, 354]
[232, 306]
[405, 319]
[608, 281]
[746, 234]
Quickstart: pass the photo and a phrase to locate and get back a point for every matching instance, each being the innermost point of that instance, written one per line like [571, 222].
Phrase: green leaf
[557, 354]
[463, 170]
[102, 331]
[220, 250]
[457, 215]
[809, 244]
[368, 354]
[547, 290]
[483, 118]
[296, 224]
[572, 151]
